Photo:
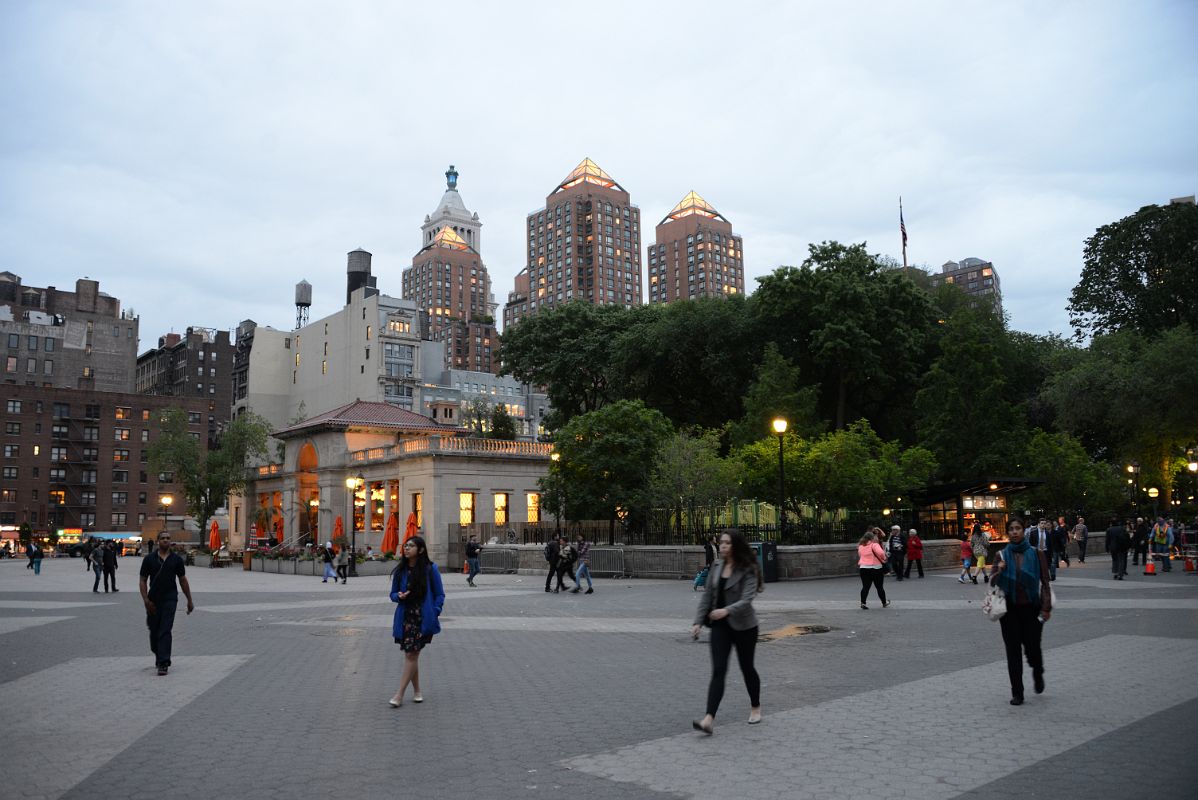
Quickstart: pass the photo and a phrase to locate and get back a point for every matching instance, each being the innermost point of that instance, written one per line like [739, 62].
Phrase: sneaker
[576, 590]
[162, 670]
[974, 578]
[864, 607]
[1038, 682]
[547, 589]
[885, 604]
[961, 579]
[589, 590]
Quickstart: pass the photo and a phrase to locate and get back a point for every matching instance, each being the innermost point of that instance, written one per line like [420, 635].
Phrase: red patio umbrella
[391, 536]
[411, 529]
[338, 530]
[214, 537]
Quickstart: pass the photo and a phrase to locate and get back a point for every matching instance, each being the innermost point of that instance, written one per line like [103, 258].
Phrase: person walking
[709, 547]
[583, 548]
[914, 553]
[108, 554]
[726, 606]
[1117, 543]
[870, 558]
[979, 543]
[341, 562]
[1140, 542]
[553, 549]
[473, 548]
[565, 564]
[966, 560]
[1021, 572]
[417, 589]
[1060, 542]
[1081, 535]
[1162, 543]
[35, 557]
[1041, 539]
[87, 554]
[160, 596]
[896, 549]
[326, 554]
[96, 560]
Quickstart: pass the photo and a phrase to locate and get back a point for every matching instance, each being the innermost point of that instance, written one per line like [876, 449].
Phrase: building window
[49, 345]
[87, 497]
[501, 508]
[418, 508]
[120, 498]
[121, 434]
[124, 412]
[87, 520]
[465, 508]
[89, 476]
[91, 433]
[118, 519]
[11, 473]
[10, 365]
[48, 367]
[194, 418]
[12, 428]
[533, 500]
[324, 368]
[14, 406]
[120, 455]
[120, 476]
[58, 454]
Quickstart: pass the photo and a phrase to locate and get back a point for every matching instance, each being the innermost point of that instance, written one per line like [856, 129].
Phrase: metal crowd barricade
[504, 560]
[606, 562]
[666, 562]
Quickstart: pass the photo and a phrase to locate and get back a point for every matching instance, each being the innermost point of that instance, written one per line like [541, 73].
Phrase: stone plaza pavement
[280, 684]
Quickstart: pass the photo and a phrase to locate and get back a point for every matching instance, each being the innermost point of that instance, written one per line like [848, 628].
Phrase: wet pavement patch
[789, 631]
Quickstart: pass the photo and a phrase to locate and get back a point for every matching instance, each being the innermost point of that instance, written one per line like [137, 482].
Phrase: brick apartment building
[585, 244]
[74, 458]
[78, 340]
[196, 364]
[973, 276]
[449, 282]
[696, 254]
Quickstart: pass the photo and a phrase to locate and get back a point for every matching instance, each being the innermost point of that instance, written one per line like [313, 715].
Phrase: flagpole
[903, 232]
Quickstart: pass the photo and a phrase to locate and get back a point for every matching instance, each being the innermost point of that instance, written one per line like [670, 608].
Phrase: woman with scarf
[416, 587]
[1021, 572]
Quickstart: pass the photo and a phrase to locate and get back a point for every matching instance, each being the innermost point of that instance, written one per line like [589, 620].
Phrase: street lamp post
[557, 510]
[780, 429]
[313, 516]
[1134, 470]
[1154, 493]
[354, 484]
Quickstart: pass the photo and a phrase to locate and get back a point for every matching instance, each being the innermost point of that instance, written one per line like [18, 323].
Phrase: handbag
[994, 604]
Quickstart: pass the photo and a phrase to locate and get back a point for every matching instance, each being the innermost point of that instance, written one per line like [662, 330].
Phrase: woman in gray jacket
[726, 605]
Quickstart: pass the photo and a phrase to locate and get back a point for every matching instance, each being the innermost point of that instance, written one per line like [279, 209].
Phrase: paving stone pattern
[279, 690]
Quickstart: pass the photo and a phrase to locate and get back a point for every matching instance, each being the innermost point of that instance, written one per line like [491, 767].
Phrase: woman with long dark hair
[416, 587]
[727, 607]
[1022, 573]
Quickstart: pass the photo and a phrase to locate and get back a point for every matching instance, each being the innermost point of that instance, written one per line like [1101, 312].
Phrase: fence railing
[456, 445]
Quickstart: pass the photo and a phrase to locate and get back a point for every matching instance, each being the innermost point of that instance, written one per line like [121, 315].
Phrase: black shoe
[162, 670]
[555, 591]
[885, 604]
[590, 590]
[576, 590]
[116, 590]
[974, 578]
[1016, 701]
[697, 725]
[1038, 682]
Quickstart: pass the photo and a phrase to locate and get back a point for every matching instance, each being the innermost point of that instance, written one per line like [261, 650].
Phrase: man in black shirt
[472, 558]
[158, 572]
[108, 556]
[553, 556]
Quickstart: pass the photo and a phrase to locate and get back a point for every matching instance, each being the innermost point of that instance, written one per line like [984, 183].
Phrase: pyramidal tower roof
[448, 239]
[588, 171]
[691, 205]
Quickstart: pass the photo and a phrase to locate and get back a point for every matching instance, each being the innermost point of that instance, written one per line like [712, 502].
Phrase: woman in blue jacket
[416, 587]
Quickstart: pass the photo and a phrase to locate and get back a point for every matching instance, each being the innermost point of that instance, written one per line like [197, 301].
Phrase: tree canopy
[1140, 273]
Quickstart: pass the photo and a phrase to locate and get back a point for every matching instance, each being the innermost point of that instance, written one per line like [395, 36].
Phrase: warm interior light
[993, 486]
[779, 426]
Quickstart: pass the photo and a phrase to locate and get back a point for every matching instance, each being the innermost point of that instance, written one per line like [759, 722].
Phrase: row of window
[468, 504]
[32, 343]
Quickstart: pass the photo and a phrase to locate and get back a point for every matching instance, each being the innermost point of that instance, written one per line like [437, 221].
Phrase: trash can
[767, 559]
[247, 560]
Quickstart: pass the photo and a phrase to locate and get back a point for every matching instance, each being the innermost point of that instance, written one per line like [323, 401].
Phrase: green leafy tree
[1139, 273]
[862, 331]
[568, 350]
[606, 458]
[850, 468]
[691, 479]
[1073, 481]
[503, 426]
[207, 477]
[25, 534]
[777, 391]
[1130, 397]
[689, 359]
[477, 416]
[968, 415]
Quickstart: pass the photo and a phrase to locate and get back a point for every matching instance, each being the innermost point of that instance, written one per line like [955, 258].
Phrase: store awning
[976, 486]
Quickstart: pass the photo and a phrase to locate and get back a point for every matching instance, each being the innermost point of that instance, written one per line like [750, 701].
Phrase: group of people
[336, 563]
[568, 559]
[101, 559]
[1124, 536]
[879, 553]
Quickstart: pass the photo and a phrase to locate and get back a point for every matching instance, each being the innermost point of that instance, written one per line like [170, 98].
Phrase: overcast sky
[199, 158]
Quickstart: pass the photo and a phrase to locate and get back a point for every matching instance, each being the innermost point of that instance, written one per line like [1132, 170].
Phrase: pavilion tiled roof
[366, 414]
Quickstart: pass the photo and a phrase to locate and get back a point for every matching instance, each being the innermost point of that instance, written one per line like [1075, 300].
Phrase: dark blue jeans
[474, 568]
[160, 624]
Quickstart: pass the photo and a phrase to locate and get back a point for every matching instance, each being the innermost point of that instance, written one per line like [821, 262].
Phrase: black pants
[1081, 550]
[1021, 630]
[1139, 553]
[1063, 554]
[1118, 562]
[723, 639]
[553, 567]
[341, 572]
[896, 561]
[110, 574]
[917, 562]
[875, 578]
[160, 624]
[565, 568]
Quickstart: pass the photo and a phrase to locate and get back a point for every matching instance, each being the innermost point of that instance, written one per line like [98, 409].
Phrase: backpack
[548, 557]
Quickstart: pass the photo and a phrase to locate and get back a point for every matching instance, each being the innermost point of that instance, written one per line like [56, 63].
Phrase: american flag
[902, 225]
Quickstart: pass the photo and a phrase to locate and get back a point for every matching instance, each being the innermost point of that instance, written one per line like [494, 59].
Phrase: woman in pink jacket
[870, 559]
